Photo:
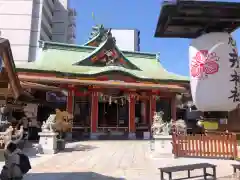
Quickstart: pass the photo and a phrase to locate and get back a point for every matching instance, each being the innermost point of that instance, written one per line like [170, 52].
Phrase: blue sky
[139, 14]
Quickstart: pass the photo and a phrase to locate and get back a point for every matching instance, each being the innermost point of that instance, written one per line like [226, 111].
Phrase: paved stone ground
[111, 160]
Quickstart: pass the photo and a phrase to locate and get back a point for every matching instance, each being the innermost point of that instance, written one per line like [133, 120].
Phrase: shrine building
[109, 91]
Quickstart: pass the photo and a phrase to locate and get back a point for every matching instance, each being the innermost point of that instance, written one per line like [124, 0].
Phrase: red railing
[213, 145]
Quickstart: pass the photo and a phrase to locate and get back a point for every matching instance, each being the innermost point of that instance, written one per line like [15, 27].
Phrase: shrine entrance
[112, 111]
[107, 114]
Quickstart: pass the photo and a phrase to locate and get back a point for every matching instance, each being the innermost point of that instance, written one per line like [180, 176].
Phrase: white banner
[214, 72]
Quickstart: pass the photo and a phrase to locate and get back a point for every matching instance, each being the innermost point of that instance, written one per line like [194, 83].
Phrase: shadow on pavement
[230, 177]
[79, 147]
[69, 176]
[30, 150]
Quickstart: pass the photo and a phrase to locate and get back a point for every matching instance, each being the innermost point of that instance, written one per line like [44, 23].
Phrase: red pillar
[152, 108]
[70, 101]
[173, 108]
[94, 112]
[131, 114]
[144, 111]
[70, 108]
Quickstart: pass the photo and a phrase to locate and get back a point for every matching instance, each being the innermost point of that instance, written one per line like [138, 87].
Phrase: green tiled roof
[59, 58]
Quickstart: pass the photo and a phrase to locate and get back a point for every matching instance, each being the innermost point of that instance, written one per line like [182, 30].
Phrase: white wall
[15, 25]
[21, 21]
[126, 39]
[60, 21]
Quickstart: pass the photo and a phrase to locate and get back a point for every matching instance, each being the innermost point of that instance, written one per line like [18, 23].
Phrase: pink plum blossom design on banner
[204, 64]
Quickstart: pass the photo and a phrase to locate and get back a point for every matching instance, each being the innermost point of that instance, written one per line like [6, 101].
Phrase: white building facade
[127, 39]
[24, 23]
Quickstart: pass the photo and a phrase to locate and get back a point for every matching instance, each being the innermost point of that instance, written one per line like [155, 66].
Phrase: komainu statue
[179, 126]
[59, 122]
[64, 121]
[47, 125]
[159, 127]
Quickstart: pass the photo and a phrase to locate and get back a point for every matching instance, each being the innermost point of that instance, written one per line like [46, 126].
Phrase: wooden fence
[219, 145]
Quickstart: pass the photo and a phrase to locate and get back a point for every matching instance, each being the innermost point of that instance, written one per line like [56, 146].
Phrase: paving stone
[112, 160]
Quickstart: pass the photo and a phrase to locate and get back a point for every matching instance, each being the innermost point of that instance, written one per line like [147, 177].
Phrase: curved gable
[107, 54]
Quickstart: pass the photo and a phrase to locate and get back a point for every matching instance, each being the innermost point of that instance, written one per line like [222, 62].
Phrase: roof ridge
[109, 52]
[74, 47]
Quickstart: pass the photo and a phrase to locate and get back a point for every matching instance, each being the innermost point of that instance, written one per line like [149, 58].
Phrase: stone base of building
[96, 135]
[131, 135]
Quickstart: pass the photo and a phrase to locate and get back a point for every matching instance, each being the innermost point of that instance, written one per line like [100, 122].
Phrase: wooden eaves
[106, 84]
[8, 75]
[9, 68]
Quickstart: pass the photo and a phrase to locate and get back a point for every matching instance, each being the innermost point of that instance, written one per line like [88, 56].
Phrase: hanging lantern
[64, 92]
[110, 100]
[122, 101]
[137, 97]
[214, 72]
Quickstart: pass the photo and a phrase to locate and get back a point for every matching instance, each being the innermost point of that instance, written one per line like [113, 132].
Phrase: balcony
[72, 19]
[71, 29]
[71, 35]
[72, 12]
[72, 24]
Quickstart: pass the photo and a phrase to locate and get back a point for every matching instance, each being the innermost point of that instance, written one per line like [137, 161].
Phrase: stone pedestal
[162, 146]
[48, 142]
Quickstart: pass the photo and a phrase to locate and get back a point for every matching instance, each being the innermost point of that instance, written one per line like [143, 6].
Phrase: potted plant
[62, 126]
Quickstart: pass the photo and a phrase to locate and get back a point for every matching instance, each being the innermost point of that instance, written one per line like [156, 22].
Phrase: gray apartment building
[25, 22]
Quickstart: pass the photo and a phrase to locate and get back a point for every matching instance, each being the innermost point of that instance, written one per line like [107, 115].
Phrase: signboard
[55, 97]
[209, 125]
[214, 72]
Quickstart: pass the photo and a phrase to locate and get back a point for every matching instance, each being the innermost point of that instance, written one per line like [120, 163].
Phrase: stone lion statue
[64, 121]
[158, 125]
[59, 122]
[179, 126]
